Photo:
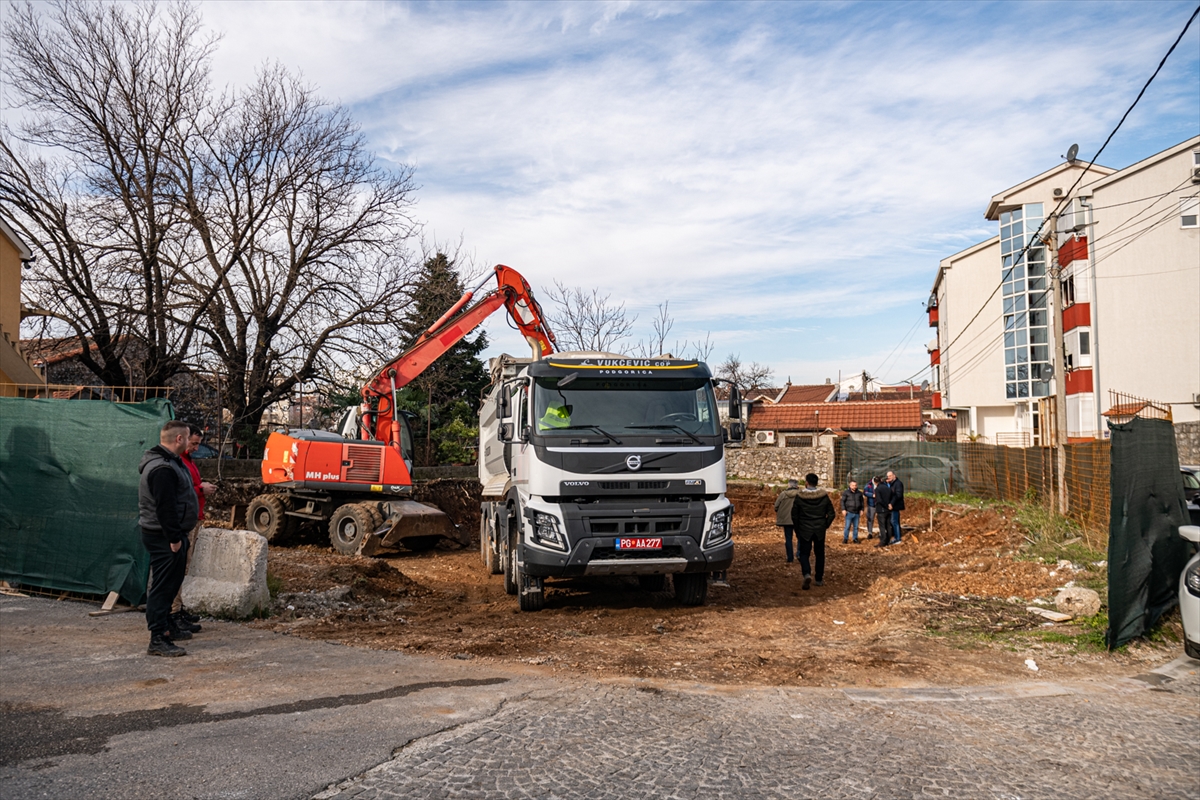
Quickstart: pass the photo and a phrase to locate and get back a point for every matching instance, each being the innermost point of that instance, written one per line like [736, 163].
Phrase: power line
[1020, 256]
[900, 344]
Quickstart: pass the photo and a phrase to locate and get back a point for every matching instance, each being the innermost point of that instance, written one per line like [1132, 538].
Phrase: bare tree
[301, 264]
[746, 376]
[661, 327]
[87, 175]
[583, 320]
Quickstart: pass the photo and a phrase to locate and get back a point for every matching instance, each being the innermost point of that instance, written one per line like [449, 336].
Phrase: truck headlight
[1191, 579]
[546, 532]
[719, 528]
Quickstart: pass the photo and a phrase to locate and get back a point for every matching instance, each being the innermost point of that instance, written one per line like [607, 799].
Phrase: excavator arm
[464, 316]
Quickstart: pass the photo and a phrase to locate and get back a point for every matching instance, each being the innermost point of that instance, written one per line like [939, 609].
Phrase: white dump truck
[600, 464]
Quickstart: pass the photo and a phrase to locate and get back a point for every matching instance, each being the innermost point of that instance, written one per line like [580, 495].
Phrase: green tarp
[68, 493]
[1145, 553]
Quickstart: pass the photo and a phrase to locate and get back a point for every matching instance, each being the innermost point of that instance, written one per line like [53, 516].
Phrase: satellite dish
[1072, 153]
[1047, 373]
[924, 386]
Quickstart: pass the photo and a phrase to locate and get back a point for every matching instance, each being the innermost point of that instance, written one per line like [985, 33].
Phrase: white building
[1128, 244]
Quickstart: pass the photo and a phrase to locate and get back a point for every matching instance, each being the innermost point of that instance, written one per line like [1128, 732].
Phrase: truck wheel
[489, 545]
[691, 588]
[265, 516]
[510, 559]
[533, 592]
[349, 526]
[652, 583]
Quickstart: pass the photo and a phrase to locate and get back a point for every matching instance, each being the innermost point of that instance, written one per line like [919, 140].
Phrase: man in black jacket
[812, 514]
[853, 502]
[883, 499]
[896, 504]
[167, 511]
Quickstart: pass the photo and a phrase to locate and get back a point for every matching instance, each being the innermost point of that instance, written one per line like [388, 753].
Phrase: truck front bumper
[599, 556]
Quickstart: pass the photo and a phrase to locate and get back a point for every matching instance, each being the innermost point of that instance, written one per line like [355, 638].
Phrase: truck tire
[691, 588]
[652, 583]
[349, 526]
[510, 558]
[533, 592]
[1192, 650]
[265, 516]
[491, 559]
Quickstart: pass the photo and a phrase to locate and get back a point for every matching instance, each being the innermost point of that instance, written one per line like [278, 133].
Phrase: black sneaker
[807, 582]
[189, 616]
[163, 646]
[182, 622]
[819, 582]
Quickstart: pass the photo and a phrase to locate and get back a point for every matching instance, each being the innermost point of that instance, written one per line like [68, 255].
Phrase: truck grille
[637, 527]
[612, 553]
[366, 464]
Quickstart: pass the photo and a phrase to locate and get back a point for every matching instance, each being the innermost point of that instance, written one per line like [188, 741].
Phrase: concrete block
[228, 574]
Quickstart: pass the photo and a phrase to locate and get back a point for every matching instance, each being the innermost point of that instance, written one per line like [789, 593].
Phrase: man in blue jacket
[167, 511]
[895, 504]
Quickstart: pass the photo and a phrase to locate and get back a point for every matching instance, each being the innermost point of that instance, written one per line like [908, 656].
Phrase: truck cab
[601, 464]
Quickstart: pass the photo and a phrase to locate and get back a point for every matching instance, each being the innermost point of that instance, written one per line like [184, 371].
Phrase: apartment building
[1126, 246]
[17, 374]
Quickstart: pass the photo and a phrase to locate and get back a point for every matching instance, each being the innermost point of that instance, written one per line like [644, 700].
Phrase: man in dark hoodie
[883, 498]
[812, 514]
[167, 510]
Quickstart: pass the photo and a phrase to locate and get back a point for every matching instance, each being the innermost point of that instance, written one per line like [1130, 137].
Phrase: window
[1085, 343]
[1024, 278]
[803, 440]
[1189, 212]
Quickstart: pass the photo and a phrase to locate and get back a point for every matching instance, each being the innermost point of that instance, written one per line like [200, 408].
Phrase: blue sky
[788, 175]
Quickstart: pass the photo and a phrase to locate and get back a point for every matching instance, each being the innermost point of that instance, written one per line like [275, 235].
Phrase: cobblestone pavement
[1128, 740]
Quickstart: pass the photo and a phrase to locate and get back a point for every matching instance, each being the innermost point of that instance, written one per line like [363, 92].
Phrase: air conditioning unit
[1058, 193]
[764, 437]
[1195, 174]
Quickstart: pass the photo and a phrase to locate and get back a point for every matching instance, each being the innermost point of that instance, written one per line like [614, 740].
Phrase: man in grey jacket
[167, 511]
[783, 514]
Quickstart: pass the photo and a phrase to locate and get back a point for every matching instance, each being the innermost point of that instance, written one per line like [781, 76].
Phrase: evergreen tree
[446, 395]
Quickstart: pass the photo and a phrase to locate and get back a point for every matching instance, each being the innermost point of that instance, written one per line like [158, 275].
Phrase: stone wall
[778, 464]
[1187, 440]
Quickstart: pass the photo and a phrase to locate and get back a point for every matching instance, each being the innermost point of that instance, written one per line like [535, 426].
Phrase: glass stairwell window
[1026, 304]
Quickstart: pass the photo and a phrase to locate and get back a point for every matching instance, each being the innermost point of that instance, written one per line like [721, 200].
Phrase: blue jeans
[895, 525]
[851, 519]
[787, 541]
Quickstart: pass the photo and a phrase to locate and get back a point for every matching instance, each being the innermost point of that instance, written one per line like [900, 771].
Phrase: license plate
[640, 543]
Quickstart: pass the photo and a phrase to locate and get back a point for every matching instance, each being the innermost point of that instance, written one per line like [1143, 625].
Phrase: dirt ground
[946, 607]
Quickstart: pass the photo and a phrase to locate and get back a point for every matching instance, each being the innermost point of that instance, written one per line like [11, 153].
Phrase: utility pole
[1060, 367]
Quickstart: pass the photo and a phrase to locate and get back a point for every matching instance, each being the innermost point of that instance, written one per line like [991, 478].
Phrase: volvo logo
[634, 463]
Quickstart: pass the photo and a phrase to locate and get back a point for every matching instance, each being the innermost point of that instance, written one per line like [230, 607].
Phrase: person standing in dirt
[180, 617]
[853, 503]
[812, 514]
[896, 504]
[167, 510]
[883, 498]
[783, 514]
[869, 495]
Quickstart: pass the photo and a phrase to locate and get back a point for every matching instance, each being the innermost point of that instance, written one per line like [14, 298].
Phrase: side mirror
[735, 403]
[1190, 532]
[502, 404]
[504, 432]
[737, 431]
[525, 433]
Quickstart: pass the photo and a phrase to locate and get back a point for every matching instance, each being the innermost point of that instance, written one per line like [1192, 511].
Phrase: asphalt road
[250, 714]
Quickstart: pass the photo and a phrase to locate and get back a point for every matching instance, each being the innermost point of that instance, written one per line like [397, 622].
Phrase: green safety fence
[68, 493]
[1145, 553]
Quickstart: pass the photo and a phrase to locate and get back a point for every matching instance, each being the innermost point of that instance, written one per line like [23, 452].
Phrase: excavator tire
[265, 516]
[350, 525]
[376, 515]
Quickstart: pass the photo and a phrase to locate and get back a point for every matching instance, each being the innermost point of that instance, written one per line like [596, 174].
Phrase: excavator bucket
[414, 526]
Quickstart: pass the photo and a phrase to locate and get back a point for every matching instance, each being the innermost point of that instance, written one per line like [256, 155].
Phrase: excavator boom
[459, 321]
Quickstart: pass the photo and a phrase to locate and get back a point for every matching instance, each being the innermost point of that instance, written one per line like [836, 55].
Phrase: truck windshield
[625, 406]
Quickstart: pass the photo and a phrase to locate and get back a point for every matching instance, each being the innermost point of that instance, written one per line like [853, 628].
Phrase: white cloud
[767, 168]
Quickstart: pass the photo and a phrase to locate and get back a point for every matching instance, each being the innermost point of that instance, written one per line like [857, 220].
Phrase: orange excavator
[359, 481]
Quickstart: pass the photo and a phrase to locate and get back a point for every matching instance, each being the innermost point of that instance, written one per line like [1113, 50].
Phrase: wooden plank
[110, 607]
